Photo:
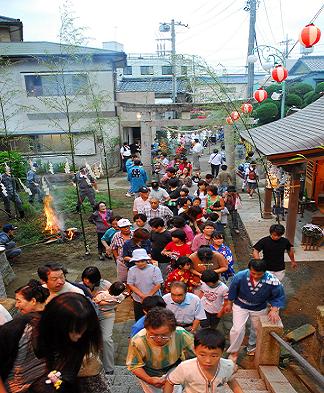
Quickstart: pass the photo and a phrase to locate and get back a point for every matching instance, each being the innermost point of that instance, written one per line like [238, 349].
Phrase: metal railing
[318, 377]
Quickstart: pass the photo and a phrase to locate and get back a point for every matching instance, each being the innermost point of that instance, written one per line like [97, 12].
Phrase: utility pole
[286, 42]
[251, 7]
[174, 66]
[170, 27]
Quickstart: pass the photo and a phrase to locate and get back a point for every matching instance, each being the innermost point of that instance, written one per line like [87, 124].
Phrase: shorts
[252, 186]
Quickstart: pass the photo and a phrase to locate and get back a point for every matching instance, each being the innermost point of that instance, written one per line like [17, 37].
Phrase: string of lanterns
[309, 36]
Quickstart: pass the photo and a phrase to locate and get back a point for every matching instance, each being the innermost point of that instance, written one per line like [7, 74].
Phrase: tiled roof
[5, 19]
[312, 63]
[156, 85]
[302, 130]
[43, 48]
[232, 78]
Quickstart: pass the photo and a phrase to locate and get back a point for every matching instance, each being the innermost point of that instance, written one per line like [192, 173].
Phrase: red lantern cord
[279, 73]
[229, 120]
[235, 115]
[260, 95]
[310, 35]
[246, 108]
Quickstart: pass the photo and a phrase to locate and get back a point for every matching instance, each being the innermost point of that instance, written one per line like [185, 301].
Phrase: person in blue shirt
[253, 292]
[148, 303]
[137, 177]
[109, 234]
[33, 183]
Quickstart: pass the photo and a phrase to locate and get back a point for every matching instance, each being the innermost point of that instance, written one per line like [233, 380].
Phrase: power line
[281, 17]
[269, 24]
[203, 26]
[312, 21]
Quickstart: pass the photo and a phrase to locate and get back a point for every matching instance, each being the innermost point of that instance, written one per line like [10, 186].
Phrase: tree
[319, 87]
[294, 100]
[299, 88]
[273, 88]
[267, 113]
[311, 98]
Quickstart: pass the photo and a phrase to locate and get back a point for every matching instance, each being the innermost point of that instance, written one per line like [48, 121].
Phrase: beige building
[43, 79]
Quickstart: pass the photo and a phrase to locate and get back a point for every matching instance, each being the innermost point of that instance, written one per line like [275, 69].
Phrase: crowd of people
[173, 261]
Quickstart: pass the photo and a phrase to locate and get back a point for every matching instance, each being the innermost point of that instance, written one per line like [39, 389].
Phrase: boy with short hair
[208, 372]
[213, 294]
[143, 280]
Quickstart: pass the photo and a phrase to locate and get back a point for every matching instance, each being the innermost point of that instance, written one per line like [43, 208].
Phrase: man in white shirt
[215, 161]
[52, 275]
[125, 153]
[186, 307]
[197, 149]
[141, 201]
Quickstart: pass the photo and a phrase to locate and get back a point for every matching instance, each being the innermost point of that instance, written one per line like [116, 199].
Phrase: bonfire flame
[71, 233]
[53, 224]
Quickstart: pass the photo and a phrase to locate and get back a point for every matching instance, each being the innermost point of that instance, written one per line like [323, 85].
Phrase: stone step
[247, 373]
[123, 381]
[275, 380]
[251, 384]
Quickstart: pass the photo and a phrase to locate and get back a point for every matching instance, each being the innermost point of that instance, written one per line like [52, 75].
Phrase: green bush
[299, 88]
[19, 165]
[294, 100]
[267, 112]
[311, 98]
[319, 87]
[274, 87]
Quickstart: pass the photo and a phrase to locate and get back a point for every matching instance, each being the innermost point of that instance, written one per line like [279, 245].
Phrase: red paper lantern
[310, 35]
[279, 73]
[229, 120]
[260, 95]
[235, 115]
[246, 108]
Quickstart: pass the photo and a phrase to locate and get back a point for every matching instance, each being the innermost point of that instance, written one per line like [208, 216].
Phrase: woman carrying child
[100, 290]
[215, 203]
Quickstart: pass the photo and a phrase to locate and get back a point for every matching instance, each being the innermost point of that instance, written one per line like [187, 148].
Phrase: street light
[269, 57]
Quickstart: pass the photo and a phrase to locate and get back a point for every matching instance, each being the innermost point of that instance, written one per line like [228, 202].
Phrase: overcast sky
[218, 29]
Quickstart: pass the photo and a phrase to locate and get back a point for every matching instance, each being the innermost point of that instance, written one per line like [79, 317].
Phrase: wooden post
[146, 141]
[318, 340]
[267, 349]
[293, 207]
[267, 209]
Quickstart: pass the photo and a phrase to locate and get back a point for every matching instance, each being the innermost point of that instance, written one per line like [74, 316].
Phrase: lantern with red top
[260, 95]
[235, 115]
[279, 73]
[310, 35]
[246, 108]
[229, 120]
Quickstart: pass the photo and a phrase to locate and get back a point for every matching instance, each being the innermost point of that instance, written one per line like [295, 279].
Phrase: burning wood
[53, 222]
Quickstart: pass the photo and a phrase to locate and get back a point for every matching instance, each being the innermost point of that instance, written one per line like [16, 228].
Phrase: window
[56, 84]
[128, 70]
[166, 70]
[147, 70]
[38, 144]
[184, 70]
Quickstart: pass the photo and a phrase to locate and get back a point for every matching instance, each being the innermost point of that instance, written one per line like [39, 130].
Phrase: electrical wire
[311, 21]
[281, 18]
[202, 25]
[269, 24]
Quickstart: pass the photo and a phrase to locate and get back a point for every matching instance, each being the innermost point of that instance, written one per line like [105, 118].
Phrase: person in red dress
[178, 246]
[182, 272]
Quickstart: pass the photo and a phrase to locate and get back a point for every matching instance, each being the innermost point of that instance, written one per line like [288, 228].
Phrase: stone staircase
[269, 379]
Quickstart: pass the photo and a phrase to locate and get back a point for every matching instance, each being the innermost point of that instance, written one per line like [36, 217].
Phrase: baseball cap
[124, 222]
[144, 189]
[139, 254]
[8, 227]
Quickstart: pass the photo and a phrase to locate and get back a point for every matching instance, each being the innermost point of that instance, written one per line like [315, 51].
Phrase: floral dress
[185, 276]
[226, 251]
